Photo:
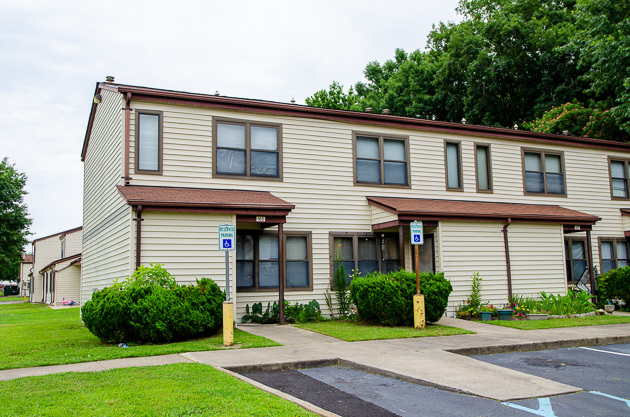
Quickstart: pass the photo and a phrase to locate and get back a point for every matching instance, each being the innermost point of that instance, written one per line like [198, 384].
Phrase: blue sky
[53, 53]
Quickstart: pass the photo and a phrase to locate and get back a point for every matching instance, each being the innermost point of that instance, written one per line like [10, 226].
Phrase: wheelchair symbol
[227, 244]
[416, 238]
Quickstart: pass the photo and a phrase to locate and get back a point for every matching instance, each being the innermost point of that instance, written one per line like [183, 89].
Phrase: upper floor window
[453, 157]
[148, 141]
[62, 238]
[381, 160]
[614, 253]
[483, 168]
[544, 172]
[257, 261]
[248, 149]
[619, 178]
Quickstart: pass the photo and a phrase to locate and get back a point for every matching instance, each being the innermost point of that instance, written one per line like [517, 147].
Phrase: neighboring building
[57, 268]
[529, 211]
[26, 266]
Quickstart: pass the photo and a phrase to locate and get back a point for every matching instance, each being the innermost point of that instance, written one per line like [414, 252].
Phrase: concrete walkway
[434, 361]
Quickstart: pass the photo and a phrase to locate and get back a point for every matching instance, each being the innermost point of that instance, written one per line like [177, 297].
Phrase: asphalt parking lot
[603, 372]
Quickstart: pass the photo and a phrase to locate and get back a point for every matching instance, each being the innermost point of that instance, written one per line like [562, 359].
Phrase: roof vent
[515, 126]
[292, 100]
[565, 132]
[109, 79]
[216, 93]
[385, 111]
[463, 120]
[368, 110]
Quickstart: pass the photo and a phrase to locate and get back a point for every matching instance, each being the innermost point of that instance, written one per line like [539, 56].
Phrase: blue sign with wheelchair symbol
[417, 233]
[227, 243]
[227, 236]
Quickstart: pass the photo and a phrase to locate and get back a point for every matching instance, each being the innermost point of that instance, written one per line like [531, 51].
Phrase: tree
[334, 98]
[603, 36]
[13, 220]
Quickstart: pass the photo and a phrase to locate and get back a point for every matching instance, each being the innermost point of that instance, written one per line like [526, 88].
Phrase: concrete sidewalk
[434, 361]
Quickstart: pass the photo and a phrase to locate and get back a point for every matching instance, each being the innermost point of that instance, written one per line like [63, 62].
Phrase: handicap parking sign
[227, 234]
[417, 233]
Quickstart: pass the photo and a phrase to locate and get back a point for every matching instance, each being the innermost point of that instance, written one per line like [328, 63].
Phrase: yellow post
[228, 324]
[418, 311]
[24, 298]
[418, 299]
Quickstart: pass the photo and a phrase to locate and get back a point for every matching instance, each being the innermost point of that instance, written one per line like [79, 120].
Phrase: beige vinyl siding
[25, 269]
[318, 179]
[625, 222]
[73, 243]
[381, 216]
[537, 259]
[106, 217]
[67, 282]
[46, 251]
[474, 246]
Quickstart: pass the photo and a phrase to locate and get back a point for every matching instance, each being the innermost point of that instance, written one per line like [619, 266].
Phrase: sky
[53, 53]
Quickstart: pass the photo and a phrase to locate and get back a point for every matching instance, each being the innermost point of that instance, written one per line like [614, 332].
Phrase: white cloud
[54, 53]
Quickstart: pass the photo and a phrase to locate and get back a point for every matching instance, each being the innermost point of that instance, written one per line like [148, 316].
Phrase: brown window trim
[459, 165]
[614, 240]
[248, 124]
[355, 248]
[544, 152]
[626, 162]
[490, 189]
[309, 252]
[381, 139]
[569, 257]
[160, 115]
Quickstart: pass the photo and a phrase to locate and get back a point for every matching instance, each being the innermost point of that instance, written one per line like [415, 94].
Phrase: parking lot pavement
[603, 372]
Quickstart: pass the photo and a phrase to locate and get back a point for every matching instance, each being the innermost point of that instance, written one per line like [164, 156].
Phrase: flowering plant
[488, 309]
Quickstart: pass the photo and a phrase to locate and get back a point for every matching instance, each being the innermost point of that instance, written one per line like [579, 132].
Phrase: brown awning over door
[407, 210]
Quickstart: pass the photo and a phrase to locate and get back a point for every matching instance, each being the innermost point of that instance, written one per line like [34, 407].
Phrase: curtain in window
[395, 162]
[297, 261]
[483, 182]
[452, 165]
[368, 160]
[148, 142]
[553, 171]
[619, 179]
[534, 179]
[608, 257]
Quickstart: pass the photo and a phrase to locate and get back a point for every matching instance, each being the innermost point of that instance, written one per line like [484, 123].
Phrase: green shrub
[615, 284]
[388, 299]
[561, 305]
[151, 307]
[302, 313]
[271, 314]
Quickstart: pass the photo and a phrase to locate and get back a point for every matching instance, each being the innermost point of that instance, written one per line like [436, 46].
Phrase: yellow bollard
[228, 324]
[418, 311]
[24, 298]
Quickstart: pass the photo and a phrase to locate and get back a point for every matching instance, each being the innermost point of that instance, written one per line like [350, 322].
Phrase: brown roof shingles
[201, 197]
[444, 209]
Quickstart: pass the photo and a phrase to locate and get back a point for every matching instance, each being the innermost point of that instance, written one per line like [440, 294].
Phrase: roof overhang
[76, 258]
[408, 210]
[245, 204]
[287, 109]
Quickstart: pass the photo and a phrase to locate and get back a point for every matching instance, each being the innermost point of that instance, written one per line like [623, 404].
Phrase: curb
[535, 346]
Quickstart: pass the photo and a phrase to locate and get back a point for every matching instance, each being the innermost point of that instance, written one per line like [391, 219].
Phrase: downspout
[138, 220]
[281, 270]
[401, 247]
[507, 258]
[589, 250]
[126, 177]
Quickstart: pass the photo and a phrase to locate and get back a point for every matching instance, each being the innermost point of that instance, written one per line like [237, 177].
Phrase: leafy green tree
[603, 36]
[334, 98]
[13, 220]
[576, 120]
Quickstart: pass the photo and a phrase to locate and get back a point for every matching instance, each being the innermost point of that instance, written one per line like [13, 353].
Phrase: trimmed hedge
[615, 284]
[154, 310]
[388, 299]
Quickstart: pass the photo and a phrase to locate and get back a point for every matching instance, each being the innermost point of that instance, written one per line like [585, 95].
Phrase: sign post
[417, 239]
[227, 243]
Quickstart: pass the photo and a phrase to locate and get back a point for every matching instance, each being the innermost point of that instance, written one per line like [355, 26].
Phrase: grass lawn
[35, 335]
[555, 323]
[353, 332]
[11, 298]
[170, 390]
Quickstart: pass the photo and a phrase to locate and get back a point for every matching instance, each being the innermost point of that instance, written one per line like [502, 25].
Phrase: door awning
[245, 204]
[402, 211]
